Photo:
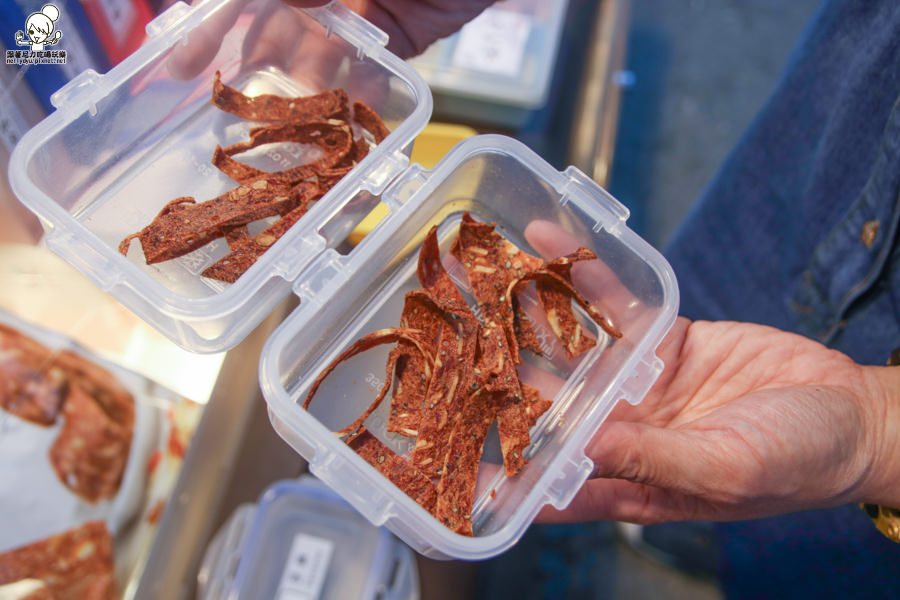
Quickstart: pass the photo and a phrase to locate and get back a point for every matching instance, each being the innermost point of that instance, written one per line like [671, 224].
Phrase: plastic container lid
[122, 145]
[303, 541]
[346, 296]
[94, 171]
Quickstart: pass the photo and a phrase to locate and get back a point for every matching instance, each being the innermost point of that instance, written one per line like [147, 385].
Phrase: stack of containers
[302, 541]
[497, 70]
[121, 145]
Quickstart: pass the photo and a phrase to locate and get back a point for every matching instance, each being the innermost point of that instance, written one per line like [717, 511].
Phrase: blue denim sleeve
[799, 230]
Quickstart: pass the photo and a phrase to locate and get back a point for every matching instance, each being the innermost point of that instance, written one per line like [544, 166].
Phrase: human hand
[745, 421]
[411, 26]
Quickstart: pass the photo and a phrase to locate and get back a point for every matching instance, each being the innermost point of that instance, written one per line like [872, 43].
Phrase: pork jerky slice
[369, 341]
[555, 296]
[456, 488]
[180, 229]
[74, 565]
[91, 451]
[419, 312]
[244, 250]
[269, 107]
[492, 262]
[454, 360]
[370, 121]
[101, 385]
[411, 481]
[29, 387]
[535, 404]
[333, 137]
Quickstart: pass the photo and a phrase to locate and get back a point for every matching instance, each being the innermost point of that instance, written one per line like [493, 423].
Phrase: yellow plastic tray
[431, 145]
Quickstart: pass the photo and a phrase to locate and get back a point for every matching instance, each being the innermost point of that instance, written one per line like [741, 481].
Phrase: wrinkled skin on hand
[745, 421]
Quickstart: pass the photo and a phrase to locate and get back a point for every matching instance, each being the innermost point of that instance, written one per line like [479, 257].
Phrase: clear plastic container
[497, 69]
[344, 297]
[303, 541]
[122, 145]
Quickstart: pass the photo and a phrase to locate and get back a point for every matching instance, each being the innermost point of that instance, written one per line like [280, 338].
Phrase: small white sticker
[494, 42]
[306, 568]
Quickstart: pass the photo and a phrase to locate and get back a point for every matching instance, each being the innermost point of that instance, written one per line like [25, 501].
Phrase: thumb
[660, 457]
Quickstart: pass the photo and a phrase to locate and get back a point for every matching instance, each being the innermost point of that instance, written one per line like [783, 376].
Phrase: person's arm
[411, 25]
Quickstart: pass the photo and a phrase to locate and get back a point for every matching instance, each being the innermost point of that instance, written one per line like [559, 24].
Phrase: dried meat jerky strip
[371, 340]
[247, 250]
[90, 453]
[535, 405]
[236, 236]
[370, 121]
[492, 262]
[269, 107]
[179, 230]
[240, 172]
[552, 278]
[454, 360]
[558, 306]
[523, 331]
[29, 387]
[73, 565]
[437, 283]
[355, 427]
[456, 488]
[554, 294]
[419, 312]
[513, 427]
[333, 137]
[410, 480]
[101, 385]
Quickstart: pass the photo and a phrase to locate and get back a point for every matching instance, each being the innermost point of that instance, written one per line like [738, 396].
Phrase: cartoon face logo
[40, 28]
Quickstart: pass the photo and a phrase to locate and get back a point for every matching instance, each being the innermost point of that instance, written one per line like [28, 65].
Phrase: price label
[306, 568]
[494, 43]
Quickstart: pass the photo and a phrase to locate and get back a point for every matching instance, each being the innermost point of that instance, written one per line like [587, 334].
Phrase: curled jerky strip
[333, 137]
[410, 480]
[183, 226]
[456, 488]
[370, 120]
[419, 312]
[269, 107]
[246, 250]
[492, 262]
[371, 340]
[91, 450]
[523, 332]
[551, 277]
[535, 405]
[29, 387]
[101, 385]
[454, 360]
